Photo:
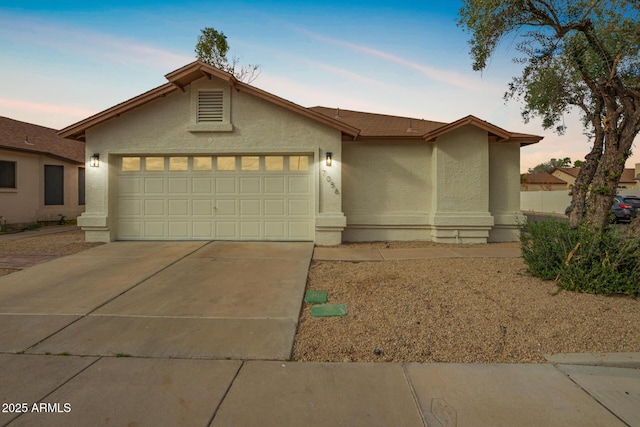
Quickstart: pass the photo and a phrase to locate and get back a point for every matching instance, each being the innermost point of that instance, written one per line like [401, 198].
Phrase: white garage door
[215, 198]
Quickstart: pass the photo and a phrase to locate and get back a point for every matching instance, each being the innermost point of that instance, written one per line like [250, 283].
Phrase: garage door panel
[250, 185]
[154, 185]
[299, 207]
[226, 229]
[226, 185]
[274, 207]
[155, 229]
[226, 207]
[274, 230]
[178, 185]
[202, 185]
[179, 229]
[129, 207]
[299, 185]
[129, 185]
[250, 207]
[178, 207]
[250, 230]
[202, 207]
[274, 185]
[260, 199]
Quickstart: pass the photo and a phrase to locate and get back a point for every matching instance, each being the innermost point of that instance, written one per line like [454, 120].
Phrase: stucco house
[206, 156]
[41, 174]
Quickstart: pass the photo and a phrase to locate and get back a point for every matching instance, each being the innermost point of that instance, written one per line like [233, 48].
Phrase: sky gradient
[64, 61]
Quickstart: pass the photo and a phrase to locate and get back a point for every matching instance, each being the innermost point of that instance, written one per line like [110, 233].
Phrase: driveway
[159, 299]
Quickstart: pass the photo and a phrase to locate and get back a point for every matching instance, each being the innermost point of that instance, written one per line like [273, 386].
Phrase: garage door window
[154, 164]
[298, 163]
[202, 163]
[274, 163]
[226, 163]
[250, 163]
[178, 164]
[131, 164]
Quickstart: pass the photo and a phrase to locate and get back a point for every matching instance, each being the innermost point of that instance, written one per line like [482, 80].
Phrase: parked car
[623, 209]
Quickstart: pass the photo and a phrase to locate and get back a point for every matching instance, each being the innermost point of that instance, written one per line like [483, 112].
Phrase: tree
[551, 165]
[580, 54]
[212, 48]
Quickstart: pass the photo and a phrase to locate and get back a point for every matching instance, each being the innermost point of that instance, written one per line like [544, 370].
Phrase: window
[202, 163]
[131, 164]
[53, 185]
[226, 163]
[298, 163]
[274, 163]
[250, 163]
[81, 186]
[154, 163]
[178, 164]
[7, 174]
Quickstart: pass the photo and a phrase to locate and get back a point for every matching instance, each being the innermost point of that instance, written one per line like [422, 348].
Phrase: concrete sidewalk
[47, 390]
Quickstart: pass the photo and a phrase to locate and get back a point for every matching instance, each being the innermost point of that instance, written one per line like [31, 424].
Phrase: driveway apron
[206, 300]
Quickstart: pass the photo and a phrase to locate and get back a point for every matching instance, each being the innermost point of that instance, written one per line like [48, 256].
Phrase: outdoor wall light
[94, 161]
[329, 158]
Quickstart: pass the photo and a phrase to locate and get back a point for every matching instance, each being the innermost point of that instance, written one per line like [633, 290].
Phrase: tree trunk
[583, 181]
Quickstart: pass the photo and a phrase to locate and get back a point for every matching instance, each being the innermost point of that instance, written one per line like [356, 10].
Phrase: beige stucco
[166, 126]
[459, 189]
[25, 204]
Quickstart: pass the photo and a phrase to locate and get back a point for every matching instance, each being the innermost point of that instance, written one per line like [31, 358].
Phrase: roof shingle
[30, 138]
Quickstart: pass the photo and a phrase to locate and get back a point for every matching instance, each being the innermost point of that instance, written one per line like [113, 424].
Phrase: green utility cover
[329, 310]
[316, 297]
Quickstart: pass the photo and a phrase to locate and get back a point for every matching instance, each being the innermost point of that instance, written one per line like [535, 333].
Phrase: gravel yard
[474, 310]
[482, 310]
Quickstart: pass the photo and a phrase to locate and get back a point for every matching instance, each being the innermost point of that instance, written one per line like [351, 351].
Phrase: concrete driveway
[159, 299]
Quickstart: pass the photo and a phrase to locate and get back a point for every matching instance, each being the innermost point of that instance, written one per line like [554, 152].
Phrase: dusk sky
[65, 61]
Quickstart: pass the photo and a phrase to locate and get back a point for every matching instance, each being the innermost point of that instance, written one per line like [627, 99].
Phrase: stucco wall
[258, 126]
[387, 191]
[504, 191]
[460, 200]
[25, 204]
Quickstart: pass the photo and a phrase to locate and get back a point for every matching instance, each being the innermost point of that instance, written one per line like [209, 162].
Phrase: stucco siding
[165, 126]
[387, 191]
[504, 191]
[25, 204]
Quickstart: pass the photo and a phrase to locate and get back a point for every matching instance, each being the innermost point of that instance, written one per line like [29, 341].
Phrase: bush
[579, 260]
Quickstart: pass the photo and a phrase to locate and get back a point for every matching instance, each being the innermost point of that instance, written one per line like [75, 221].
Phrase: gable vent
[210, 107]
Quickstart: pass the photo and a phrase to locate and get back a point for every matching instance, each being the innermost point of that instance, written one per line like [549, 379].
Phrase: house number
[330, 181]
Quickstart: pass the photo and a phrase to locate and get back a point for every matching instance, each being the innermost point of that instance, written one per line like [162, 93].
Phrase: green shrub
[580, 260]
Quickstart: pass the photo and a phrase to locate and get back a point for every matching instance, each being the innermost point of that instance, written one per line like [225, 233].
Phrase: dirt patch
[474, 310]
[60, 244]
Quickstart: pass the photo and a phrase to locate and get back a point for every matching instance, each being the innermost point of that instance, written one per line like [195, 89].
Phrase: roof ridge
[374, 114]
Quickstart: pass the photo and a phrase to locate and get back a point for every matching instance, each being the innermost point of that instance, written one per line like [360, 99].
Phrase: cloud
[78, 41]
[51, 115]
[450, 77]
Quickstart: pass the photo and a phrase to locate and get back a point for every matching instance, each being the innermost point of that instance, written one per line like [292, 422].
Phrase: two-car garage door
[229, 197]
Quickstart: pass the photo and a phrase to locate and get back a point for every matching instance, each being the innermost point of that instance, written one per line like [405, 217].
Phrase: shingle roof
[30, 138]
[381, 125]
[542, 178]
[384, 126]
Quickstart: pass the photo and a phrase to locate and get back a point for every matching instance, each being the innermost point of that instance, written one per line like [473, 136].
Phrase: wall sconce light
[329, 160]
[94, 161]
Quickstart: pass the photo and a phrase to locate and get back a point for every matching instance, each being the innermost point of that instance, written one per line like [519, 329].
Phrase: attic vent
[210, 107]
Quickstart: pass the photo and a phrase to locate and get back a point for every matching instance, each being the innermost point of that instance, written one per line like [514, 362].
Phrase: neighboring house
[41, 174]
[206, 157]
[569, 175]
[542, 182]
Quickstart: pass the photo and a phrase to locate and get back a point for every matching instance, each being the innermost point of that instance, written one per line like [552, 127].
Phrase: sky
[61, 62]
